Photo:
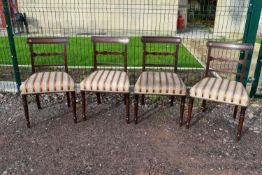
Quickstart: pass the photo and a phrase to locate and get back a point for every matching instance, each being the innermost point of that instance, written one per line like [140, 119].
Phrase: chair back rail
[57, 40]
[244, 48]
[120, 40]
[149, 39]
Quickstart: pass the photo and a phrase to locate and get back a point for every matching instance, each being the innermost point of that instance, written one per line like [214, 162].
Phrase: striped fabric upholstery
[45, 82]
[161, 83]
[106, 81]
[220, 90]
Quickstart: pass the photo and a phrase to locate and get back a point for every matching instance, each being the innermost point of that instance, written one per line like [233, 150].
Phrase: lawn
[80, 52]
[258, 40]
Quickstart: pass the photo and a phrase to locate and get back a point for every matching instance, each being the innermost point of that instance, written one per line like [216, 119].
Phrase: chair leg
[204, 103]
[83, 99]
[98, 98]
[182, 107]
[190, 107]
[73, 96]
[68, 99]
[25, 105]
[38, 101]
[143, 100]
[240, 123]
[235, 112]
[172, 101]
[136, 108]
[127, 100]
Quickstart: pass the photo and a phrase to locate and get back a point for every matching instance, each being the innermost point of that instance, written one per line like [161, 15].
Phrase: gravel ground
[105, 144]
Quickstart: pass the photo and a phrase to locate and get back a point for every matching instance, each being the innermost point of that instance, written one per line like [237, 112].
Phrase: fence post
[11, 43]
[250, 32]
[257, 73]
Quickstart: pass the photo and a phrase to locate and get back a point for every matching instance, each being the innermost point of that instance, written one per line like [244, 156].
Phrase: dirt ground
[105, 144]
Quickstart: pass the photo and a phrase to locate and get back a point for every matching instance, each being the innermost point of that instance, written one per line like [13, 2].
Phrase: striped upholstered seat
[220, 90]
[106, 81]
[161, 83]
[45, 82]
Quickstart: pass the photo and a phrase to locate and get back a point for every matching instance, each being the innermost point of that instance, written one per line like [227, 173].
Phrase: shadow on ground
[105, 144]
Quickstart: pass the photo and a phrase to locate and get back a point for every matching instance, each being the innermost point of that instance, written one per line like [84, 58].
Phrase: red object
[2, 17]
[13, 7]
[180, 23]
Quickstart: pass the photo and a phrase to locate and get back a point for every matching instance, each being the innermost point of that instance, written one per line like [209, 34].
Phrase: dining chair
[45, 82]
[107, 80]
[160, 82]
[223, 90]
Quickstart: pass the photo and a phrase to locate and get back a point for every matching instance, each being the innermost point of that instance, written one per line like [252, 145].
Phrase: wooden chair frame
[101, 39]
[245, 48]
[165, 40]
[33, 41]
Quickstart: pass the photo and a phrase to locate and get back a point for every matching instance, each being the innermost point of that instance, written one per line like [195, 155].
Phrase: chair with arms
[223, 90]
[160, 83]
[107, 81]
[47, 82]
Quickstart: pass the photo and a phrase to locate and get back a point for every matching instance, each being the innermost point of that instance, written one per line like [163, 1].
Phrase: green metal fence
[7, 78]
[251, 28]
[220, 20]
[11, 42]
[256, 90]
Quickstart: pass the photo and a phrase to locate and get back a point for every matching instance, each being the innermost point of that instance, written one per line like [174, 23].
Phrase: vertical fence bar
[257, 73]
[11, 43]
[250, 32]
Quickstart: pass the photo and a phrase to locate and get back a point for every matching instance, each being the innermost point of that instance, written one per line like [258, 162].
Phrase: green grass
[80, 52]
[258, 40]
